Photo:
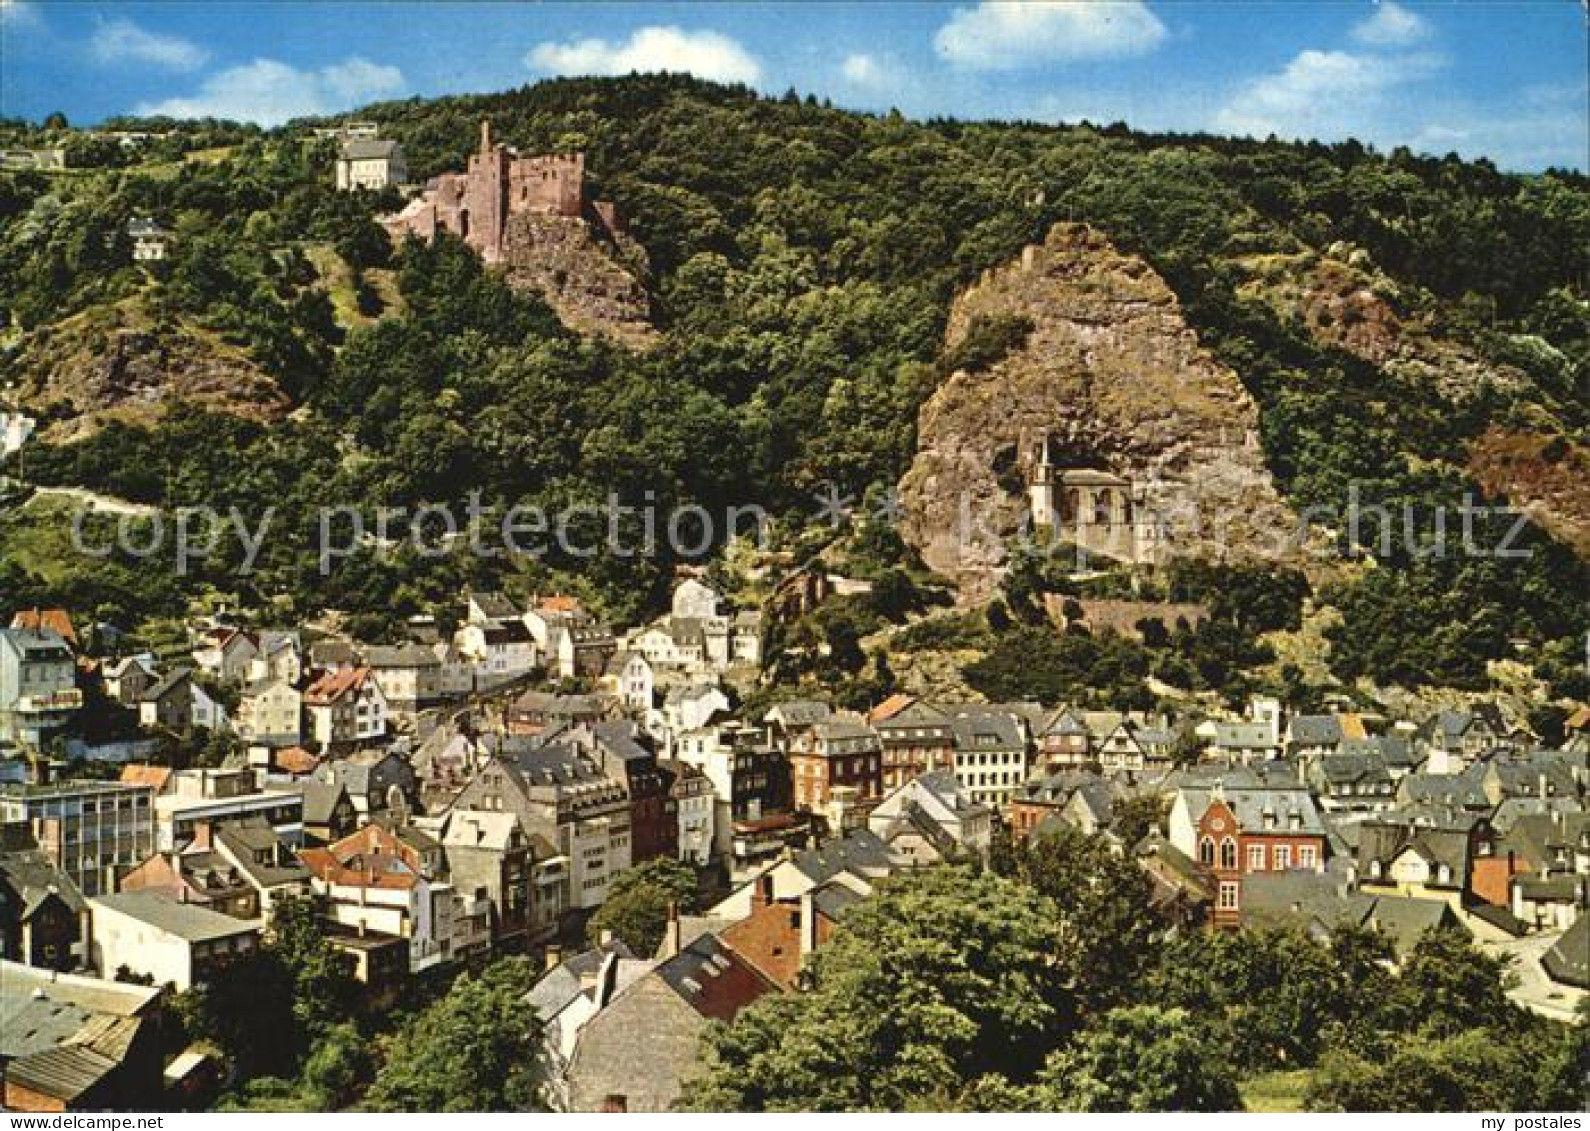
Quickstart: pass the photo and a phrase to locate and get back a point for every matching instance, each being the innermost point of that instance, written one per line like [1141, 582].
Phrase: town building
[91, 830]
[38, 686]
[370, 164]
[346, 706]
[1236, 831]
[73, 1043]
[150, 933]
[836, 754]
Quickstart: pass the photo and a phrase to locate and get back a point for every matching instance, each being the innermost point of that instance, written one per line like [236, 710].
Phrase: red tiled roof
[143, 773]
[891, 707]
[372, 857]
[559, 604]
[333, 685]
[296, 760]
[58, 621]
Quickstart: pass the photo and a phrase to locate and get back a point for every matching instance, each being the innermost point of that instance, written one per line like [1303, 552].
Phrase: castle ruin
[499, 184]
[533, 218]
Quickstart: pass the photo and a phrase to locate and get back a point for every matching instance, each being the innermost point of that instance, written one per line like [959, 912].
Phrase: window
[1307, 856]
[1228, 896]
[1283, 857]
[1228, 853]
[1255, 857]
[1206, 851]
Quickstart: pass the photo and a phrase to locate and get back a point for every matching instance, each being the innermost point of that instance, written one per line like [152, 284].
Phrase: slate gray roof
[320, 799]
[36, 645]
[834, 899]
[1243, 736]
[799, 712]
[1462, 790]
[994, 731]
[942, 784]
[380, 656]
[1393, 750]
[563, 983]
[1354, 768]
[20, 984]
[1568, 961]
[368, 149]
[1065, 724]
[1382, 841]
[1315, 730]
[185, 920]
[495, 605]
[260, 853]
[35, 879]
[1253, 809]
[859, 851]
[1319, 903]
[166, 684]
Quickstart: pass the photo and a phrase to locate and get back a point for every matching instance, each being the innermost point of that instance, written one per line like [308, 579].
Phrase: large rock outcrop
[1109, 384]
[114, 363]
[591, 278]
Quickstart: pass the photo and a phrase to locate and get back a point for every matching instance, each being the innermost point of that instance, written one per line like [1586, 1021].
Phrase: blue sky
[1501, 80]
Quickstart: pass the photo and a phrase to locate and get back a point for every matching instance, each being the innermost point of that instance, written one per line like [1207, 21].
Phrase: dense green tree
[1141, 1058]
[944, 976]
[639, 900]
[1101, 899]
[472, 1050]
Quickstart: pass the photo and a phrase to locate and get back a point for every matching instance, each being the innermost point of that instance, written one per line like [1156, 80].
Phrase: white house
[150, 933]
[370, 163]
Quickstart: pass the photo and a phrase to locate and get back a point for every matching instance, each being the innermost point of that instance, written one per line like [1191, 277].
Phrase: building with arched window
[1241, 831]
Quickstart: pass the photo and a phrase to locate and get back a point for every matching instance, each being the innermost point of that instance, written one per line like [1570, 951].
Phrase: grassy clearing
[1280, 1092]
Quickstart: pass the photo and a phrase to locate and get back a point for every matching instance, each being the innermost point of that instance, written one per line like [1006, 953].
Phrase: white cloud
[16, 13]
[1321, 94]
[1392, 25]
[269, 92]
[1005, 34]
[862, 70]
[705, 54]
[122, 41]
[1542, 126]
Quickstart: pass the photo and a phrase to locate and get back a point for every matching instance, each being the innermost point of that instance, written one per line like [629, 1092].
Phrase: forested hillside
[1401, 322]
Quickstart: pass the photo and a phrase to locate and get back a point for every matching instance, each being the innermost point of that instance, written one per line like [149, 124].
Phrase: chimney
[672, 940]
[554, 957]
[485, 135]
[764, 890]
[607, 981]
[606, 938]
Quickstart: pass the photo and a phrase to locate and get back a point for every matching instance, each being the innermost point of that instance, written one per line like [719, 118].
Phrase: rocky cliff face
[1347, 304]
[111, 363]
[593, 284]
[1547, 476]
[1110, 381]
